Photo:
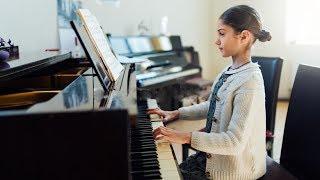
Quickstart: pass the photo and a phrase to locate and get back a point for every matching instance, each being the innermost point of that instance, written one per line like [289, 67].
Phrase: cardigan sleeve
[197, 111]
[234, 139]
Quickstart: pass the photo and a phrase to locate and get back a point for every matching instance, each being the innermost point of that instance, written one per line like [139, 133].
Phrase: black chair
[271, 72]
[276, 172]
[300, 153]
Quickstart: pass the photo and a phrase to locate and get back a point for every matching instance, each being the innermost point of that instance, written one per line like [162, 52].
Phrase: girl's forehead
[222, 26]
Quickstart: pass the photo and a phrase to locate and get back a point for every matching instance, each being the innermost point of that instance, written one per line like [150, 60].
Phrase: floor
[282, 108]
[189, 126]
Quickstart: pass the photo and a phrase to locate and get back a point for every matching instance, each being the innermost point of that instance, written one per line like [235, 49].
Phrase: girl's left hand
[171, 135]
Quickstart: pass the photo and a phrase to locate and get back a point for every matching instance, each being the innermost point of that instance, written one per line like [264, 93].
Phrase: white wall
[30, 24]
[188, 18]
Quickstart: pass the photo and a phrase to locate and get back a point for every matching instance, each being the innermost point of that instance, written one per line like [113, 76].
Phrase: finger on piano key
[160, 140]
[168, 167]
[155, 117]
[152, 110]
[156, 125]
[152, 105]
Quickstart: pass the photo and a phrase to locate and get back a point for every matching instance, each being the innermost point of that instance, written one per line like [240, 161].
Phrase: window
[303, 22]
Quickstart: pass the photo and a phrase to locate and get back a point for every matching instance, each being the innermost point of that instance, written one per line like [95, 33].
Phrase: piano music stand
[92, 56]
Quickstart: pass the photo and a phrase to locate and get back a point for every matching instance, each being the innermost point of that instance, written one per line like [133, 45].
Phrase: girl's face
[229, 42]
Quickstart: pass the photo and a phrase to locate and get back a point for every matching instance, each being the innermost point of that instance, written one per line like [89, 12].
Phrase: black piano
[168, 64]
[61, 119]
[57, 122]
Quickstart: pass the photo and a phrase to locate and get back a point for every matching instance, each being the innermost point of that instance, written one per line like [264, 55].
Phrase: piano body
[58, 122]
[166, 67]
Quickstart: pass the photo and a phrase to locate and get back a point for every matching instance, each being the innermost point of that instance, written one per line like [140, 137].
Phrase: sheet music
[126, 60]
[101, 44]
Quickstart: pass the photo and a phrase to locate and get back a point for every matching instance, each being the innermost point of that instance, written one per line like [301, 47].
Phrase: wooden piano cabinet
[65, 77]
[23, 92]
[57, 80]
[25, 99]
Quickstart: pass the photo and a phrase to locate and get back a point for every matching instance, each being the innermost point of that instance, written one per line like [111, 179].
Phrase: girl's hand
[171, 135]
[167, 115]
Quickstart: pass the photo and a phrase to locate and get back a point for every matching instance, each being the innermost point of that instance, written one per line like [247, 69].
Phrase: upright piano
[57, 122]
[168, 64]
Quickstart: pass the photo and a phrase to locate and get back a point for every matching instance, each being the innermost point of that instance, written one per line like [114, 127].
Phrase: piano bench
[275, 171]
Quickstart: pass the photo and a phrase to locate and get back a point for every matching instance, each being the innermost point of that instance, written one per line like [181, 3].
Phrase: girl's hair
[243, 17]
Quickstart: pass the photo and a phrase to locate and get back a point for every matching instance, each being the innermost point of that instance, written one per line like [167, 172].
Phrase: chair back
[271, 72]
[301, 141]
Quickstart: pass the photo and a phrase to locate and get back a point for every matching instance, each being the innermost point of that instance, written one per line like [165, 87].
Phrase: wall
[188, 18]
[30, 24]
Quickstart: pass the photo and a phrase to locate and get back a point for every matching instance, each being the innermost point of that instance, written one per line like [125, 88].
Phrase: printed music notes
[111, 64]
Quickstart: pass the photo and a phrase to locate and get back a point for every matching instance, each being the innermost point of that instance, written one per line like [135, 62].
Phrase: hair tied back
[264, 36]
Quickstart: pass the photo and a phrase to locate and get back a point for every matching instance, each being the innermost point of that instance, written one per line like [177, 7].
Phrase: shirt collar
[242, 68]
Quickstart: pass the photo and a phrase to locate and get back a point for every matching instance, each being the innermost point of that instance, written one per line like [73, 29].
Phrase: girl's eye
[221, 34]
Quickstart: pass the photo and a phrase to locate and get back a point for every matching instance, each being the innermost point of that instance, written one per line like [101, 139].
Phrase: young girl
[232, 145]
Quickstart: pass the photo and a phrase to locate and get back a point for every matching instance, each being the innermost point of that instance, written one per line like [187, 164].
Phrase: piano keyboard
[159, 79]
[150, 159]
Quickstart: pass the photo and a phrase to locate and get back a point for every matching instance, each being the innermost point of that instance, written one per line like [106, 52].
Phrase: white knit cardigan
[236, 145]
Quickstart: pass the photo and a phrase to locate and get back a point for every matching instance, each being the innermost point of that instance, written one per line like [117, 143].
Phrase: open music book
[111, 65]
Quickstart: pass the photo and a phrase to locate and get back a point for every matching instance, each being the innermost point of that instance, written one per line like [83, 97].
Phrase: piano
[168, 64]
[166, 59]
[58, 122]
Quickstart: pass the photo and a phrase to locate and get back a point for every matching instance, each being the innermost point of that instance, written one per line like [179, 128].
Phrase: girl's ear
[245, 36]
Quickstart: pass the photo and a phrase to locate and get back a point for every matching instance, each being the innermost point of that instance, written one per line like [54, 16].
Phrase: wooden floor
[189, 126]
[282, 108]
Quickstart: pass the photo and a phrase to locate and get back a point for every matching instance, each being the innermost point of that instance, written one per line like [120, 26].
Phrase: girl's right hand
[167, 115]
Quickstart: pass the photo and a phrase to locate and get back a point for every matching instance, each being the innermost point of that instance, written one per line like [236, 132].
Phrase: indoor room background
[34, 27]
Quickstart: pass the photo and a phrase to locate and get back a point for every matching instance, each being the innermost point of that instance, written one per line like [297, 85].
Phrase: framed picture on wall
[66, 13]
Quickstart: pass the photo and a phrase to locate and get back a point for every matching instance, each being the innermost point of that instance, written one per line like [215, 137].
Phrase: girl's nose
[217, 42]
